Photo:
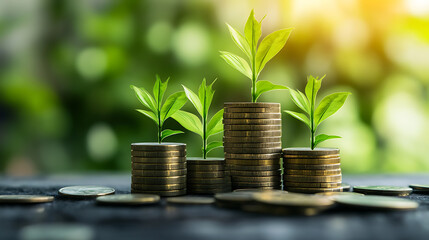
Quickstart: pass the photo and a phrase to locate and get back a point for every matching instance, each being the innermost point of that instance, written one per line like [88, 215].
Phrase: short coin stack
[252, 144]
[312, 171]
[207, 176]
[158, 168]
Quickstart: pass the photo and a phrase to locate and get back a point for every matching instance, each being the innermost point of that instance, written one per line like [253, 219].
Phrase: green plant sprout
[203, 126]
[258, 55]
[314, 116]
[159, 112]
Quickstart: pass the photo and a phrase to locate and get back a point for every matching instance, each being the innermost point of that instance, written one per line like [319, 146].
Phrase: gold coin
[206, 180]
[235, 197]
[165, 146]
[202, 168]
[156, 187]
[251, 139]
[25, 199]
[377, 202]
[209, 192]
[333, 194]
[253, 145]
[236, 185]
[128, 199]
[419, 188]
[304, 178]
[229, 133]
[252, 162]
[313, 190]
[345, 186]
[293, 200]
[309, 152]
[252, 127]
[85, 191]
[252, 150]
[158, 173]
[311, 184]
[253, 156]
[162, 160]
[208, 161]
[252, 110]
[256, 179]
[312, 172]
[311, 166]
[314, 161]
[227, 115]
[158, 154]
[169, 193]
[383, 190]
[233, 167]
[191, 200]
[159, 180]
[315, 156]
[214, 174]
[257, 190]
[251, 105]
[169, 166]
[256, 173]
[256, 121]
[207, 186]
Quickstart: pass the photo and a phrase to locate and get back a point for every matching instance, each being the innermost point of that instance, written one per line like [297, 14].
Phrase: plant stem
[312, 125]
[254, 78]
[204, 118]
[159, 124]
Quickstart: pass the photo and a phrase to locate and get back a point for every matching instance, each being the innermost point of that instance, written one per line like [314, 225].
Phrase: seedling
[258, 55]
[202, 126]
[158, 111]
[312, 116]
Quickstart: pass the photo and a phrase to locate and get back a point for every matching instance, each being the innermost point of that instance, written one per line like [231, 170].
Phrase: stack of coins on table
[311, 171]
[158, 168]
[252, 144]
[207, 176]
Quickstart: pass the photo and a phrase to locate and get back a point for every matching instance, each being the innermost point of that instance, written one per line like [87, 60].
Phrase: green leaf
[214, 145]
[252, 32]
[329, 105]
[323, 137]
[240, 41]
[169, 132]
[173, 103]
[205, 94]
[194, 100]
[237, 62]
[159, 90]
[270, 46]
[149, 114]
[300, 100]
[265, 86]
[189, 121]
[215, 124]
[299, 116]
[311, 89]
[145, 98]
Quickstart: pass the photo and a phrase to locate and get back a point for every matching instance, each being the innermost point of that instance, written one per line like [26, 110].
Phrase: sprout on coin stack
[205, 175]
[252, 137]
[159, 168]
[311, 170]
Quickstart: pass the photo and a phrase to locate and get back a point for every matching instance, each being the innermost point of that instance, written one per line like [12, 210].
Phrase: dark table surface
[205, 221]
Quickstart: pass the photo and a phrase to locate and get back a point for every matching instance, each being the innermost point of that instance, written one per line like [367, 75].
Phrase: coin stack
[158, 168]
[252, 144]
[207, 176]
[312, 171]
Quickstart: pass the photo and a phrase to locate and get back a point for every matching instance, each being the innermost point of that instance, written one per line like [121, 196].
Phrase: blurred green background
[66, 67]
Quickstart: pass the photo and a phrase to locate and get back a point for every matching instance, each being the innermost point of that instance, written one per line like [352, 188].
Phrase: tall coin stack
[207, 176]
[312, 171]
[158, 168]
[252, 144]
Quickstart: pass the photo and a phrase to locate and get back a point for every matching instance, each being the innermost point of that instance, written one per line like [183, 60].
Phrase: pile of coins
[158, 168]
[207, 176]
[252, 144]
[312, 171]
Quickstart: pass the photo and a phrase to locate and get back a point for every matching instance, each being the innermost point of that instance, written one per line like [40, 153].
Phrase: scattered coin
[251, 105]
[255, 121]
[161, 160]
[293, 200]
[383, 190]
[252, 127]
[14, 199]
[314, 161]
[191, 200]
[346, 187]
[158, 187]
[376, 202]
[165, 146]
[86, 191]
[129, 199]
[158, 154]
[312, 166]
[169, 166]
[420, 188]
[233, 199]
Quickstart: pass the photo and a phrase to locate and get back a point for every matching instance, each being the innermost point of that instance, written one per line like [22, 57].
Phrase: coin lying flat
[314, 161]
[346, 187]
[292, 200]
[158, 173]
[312, 172]
[313, 190]
[309, 152]
[252, 127]
[233, 199]
[160, 160]
[169, 166]
[165, 146]
[311, 166]
[376, 202]
[383, 190]
[255, 121]
[419, 188]
[25, 199]
[252, 110]
[253, 150]
[253, 145]
[330, 194]
[230, 133]
[86, 191]
[158, 154]
[191, 200]
[208, 161]
[251, 139]
[129, 199]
